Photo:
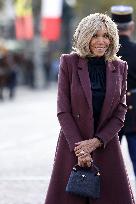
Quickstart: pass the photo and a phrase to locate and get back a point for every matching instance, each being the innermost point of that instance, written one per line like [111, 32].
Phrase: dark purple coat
[75, 115]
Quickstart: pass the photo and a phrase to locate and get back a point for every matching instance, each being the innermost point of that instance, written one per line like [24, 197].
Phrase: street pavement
[28, 135]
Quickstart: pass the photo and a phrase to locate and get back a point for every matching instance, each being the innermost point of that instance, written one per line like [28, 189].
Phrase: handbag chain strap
[76, 167]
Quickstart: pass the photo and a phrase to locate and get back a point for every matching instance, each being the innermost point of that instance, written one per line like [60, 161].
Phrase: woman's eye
[106, 35]
[94, 36]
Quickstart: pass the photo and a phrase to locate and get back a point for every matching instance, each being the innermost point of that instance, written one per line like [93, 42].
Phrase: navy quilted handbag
[84, 181]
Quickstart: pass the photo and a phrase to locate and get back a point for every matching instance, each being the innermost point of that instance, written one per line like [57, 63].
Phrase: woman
[91, 111]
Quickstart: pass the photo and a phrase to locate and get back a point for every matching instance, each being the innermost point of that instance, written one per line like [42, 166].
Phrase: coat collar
[85, 80]
[110, 86]
[82, 64]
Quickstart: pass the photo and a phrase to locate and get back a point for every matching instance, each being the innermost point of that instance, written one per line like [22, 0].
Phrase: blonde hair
[89, 26]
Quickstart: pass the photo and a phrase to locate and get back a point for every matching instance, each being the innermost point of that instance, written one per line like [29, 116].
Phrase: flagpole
[37, 51]
[38, 64]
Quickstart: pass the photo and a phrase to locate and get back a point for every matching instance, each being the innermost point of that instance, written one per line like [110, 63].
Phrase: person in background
[91, 107]
[122, 16]
[7, 76]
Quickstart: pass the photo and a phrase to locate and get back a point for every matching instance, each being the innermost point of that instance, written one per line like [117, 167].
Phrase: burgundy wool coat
[75, 114]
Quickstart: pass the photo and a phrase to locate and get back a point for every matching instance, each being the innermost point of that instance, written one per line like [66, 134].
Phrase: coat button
[78, 115]
[128, 93]
[130, 107]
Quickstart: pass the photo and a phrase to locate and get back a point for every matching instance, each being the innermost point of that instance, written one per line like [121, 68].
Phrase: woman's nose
[100, 39]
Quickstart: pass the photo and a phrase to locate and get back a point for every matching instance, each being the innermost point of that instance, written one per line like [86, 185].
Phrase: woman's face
[99, 42]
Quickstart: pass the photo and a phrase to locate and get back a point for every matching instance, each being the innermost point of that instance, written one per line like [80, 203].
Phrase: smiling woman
[91, 108]
[99, 42]
[90, 27]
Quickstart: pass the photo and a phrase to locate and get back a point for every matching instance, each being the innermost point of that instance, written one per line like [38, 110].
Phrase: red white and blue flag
[51, 19]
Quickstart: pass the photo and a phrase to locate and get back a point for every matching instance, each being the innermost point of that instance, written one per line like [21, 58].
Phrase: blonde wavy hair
[89, 26]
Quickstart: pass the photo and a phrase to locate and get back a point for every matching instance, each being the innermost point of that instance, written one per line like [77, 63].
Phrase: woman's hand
[85, 160]
[86, 146]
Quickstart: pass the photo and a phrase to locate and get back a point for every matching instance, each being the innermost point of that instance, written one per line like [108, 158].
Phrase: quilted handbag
[84, 181]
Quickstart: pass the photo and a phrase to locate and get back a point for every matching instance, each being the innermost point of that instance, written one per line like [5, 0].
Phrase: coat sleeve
[66, 120]
[116, 122]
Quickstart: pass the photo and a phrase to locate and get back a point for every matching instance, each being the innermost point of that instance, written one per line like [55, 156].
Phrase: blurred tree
[86, 7]
[1, 3]
[67, 15]
[90, 6]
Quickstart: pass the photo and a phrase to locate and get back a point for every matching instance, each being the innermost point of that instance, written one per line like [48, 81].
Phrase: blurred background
[33, 35]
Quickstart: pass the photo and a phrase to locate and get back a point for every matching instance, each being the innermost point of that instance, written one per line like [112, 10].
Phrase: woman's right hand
[85, 160]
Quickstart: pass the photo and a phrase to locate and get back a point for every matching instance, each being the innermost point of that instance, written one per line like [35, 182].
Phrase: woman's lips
[100, 48]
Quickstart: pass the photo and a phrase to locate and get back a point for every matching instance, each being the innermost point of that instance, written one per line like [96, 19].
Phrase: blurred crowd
[18, 69]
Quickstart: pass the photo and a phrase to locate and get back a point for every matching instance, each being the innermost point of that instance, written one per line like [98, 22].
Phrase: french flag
[51, 19]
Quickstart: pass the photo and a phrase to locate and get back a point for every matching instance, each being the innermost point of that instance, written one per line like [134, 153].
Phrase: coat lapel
[111, 82]
[85, 80]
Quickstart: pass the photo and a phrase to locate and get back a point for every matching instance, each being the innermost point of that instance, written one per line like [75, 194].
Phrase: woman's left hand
[86, 146]
[85, 160]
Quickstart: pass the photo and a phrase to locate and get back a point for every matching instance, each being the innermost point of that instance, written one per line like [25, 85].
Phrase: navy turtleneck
[97, 74]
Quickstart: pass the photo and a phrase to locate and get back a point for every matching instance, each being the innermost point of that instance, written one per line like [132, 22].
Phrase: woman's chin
[99, 54]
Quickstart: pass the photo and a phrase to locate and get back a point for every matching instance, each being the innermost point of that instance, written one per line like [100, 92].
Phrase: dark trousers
[131, 140]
